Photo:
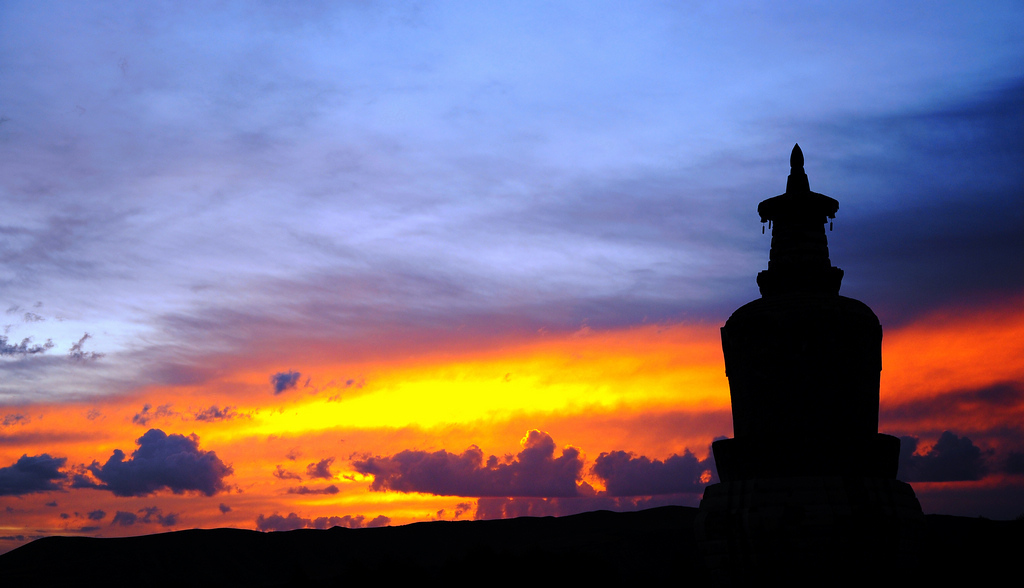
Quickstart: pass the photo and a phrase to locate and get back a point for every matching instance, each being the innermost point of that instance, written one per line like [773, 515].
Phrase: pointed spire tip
[796, 159]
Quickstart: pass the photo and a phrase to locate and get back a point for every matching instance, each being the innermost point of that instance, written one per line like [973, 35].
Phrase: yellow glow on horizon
[627, 371]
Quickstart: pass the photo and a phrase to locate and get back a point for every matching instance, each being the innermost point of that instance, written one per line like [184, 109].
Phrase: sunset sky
[278, 265]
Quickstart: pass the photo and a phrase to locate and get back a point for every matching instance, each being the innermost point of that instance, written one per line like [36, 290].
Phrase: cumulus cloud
[534, 471]
[224, 509]
[276, 522]
[626, 475]
[97, 515]
[321, 469]
[284, 381]
[332, 489]
[951, 459]
[162, 461]
[31, 474]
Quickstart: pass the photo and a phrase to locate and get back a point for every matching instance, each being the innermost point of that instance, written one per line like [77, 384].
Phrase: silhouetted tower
[807, 482]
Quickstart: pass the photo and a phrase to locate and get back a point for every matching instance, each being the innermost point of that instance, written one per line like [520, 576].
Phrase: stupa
[807, 482]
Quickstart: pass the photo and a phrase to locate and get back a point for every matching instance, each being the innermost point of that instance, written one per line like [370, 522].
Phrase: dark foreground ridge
[655, 545]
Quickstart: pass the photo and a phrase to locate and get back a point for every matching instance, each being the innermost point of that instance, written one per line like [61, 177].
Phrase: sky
[280, 265]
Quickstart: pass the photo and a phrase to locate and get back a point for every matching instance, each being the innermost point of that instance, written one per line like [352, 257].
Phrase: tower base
[814, 528]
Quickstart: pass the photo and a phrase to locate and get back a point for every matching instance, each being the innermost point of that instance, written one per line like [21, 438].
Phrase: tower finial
[796, 159]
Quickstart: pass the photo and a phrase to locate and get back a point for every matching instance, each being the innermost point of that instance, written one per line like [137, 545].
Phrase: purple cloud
[534, 471]
[174, 462]
[31, 474]
[284, 381]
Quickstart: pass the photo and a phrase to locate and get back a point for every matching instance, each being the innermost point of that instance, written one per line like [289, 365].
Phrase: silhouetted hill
[655, 545]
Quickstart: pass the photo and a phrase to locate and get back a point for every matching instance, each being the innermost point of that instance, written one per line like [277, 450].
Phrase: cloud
[285, 474]
[224, 509]
[999, 406]
[153, 514]
[626, 475]
[174, 462]
[125, 519]
[951, 180]
[321, 469]
[23, 348]
[332, 489]
[149, 515]
[143, 417]
[506, 508]
[14, 419]
[214, 414]
[284, 381]
[276, 522]
[31, 474]
[951, 459]
[97, 515]
[534, 471]
[77, 354]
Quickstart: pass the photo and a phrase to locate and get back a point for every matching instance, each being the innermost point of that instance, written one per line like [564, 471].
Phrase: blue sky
[553, 163]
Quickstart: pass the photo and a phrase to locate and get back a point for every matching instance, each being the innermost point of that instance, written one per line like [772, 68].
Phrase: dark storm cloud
[276, 522]
[321, 469]
[284, 381]
[626, 475]
[951, 459]
[534, 471]
[162, 461]
[949, 229]
[31, 474]
[332, 489]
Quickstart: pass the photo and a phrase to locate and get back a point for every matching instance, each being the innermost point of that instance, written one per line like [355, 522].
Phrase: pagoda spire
[799, 260]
